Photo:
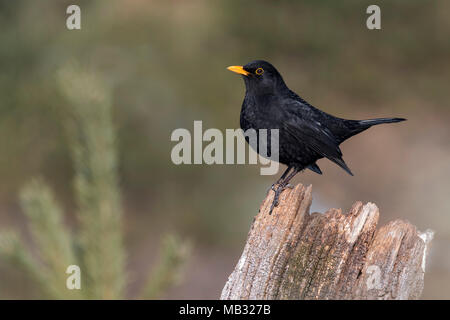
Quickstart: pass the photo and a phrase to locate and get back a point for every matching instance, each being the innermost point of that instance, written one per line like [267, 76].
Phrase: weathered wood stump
[293, 254]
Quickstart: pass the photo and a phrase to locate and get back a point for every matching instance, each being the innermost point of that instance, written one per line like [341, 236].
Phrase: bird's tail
[373, 122]
[357, 126]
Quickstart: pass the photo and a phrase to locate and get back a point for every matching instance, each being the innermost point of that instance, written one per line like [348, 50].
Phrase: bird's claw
[278, 191]
[272, 187]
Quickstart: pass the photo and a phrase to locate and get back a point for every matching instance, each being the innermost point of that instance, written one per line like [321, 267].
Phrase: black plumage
[306, 133]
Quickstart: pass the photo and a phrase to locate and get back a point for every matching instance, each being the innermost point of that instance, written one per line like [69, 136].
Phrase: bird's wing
[317, 137]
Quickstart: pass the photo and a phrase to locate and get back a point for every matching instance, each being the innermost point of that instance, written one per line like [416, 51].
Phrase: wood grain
[292, 254]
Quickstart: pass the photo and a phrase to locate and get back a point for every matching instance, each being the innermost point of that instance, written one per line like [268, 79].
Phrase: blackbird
[306, 133]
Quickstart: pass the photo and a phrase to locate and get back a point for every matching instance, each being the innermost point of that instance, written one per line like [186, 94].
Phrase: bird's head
[260, 77]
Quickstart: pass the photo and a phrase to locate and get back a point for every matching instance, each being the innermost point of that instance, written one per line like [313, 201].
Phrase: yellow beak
[238, 69]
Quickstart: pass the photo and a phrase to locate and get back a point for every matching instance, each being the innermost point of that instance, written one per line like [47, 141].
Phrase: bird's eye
[259, 71]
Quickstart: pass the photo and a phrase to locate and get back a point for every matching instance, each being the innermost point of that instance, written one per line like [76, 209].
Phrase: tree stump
[292, 254]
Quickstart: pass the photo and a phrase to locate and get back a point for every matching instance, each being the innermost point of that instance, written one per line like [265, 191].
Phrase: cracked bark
[293, 254]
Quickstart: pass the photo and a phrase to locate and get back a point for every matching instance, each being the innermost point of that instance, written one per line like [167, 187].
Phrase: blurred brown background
[165, 61]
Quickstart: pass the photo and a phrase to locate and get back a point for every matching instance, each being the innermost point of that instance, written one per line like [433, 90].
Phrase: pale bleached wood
[292, 254]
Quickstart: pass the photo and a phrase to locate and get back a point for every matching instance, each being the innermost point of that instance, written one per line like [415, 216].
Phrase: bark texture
[292, 254]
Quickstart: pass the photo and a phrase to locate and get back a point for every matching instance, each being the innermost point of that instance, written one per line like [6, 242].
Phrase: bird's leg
[280, 179]
[282, 185]
[288, 178]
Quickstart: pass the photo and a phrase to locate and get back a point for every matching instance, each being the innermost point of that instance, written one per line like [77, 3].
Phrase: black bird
[306, 134]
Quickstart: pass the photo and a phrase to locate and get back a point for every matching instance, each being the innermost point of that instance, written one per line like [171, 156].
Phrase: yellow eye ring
[259, 71]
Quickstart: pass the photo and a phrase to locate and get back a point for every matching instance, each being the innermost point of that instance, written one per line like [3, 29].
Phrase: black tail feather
[341, 163]
[314, 167]
[357, 126]
[373, 122]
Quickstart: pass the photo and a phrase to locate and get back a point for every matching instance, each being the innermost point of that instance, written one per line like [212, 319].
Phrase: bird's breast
[260, 112]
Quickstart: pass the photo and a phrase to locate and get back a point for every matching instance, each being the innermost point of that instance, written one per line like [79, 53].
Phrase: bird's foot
[276, 199]
[273, 187]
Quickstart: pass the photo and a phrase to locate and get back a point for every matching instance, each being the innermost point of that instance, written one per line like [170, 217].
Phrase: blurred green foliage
[100, 253]
[167, 272]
